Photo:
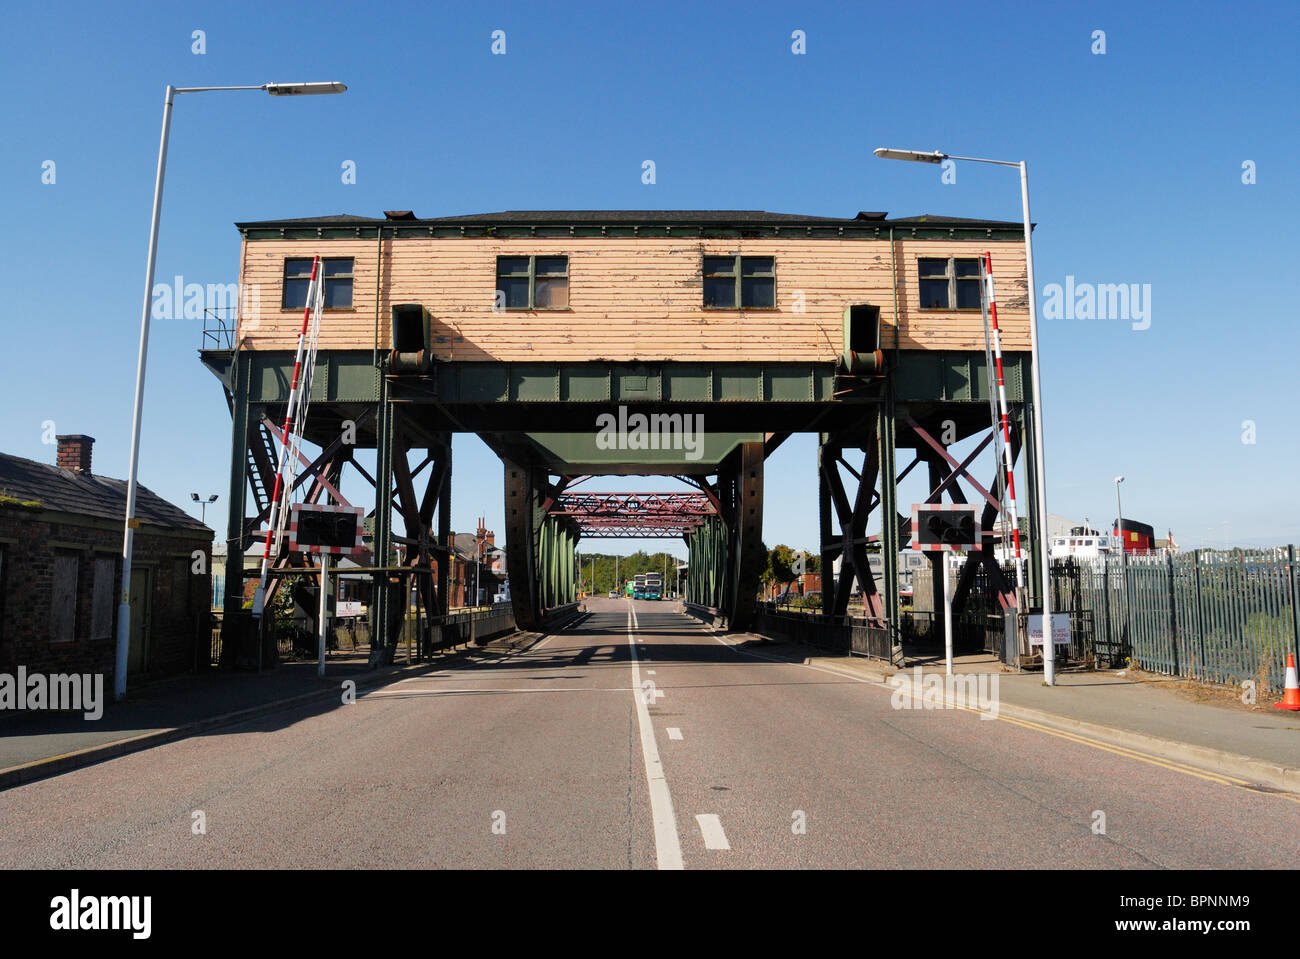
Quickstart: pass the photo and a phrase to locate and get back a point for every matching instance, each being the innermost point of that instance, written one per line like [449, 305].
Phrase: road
[564, 755]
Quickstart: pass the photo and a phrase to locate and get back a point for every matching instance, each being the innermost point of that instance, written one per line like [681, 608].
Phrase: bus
[654, 586]
[638, 588]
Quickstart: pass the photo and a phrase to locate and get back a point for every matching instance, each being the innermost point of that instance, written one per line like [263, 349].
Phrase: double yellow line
[1220, 778]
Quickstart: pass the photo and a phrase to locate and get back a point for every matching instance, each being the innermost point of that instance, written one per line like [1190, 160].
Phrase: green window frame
[538, 281]
[735, 282]
[337, 272]
[948, 283]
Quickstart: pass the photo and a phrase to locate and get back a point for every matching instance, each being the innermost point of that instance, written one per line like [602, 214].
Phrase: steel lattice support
[746, 553]
[523, 527]
[634, 515]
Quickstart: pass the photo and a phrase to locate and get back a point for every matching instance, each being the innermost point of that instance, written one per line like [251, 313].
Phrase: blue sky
[1135, 159]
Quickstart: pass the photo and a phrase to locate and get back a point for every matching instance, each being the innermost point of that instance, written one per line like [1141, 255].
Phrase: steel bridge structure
[877, 422]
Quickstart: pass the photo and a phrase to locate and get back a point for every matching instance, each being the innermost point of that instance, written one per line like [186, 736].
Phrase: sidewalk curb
[1257, 771]
[66, 762]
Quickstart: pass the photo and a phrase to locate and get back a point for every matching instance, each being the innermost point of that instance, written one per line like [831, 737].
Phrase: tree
[779, 561]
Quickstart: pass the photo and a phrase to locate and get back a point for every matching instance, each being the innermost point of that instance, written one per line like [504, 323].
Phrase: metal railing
[218, 332]
[1221, 617]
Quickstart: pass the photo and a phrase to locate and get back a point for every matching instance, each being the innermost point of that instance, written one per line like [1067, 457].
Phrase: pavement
[1260, 745]
[38, 744]
[638, 738]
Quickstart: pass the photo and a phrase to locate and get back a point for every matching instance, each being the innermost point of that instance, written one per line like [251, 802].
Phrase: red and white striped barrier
[1007, 464]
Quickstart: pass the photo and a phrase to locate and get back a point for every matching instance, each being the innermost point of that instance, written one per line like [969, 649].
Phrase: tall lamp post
[1044, 546]
[1123, 559]
[124, 607]
[203, 506]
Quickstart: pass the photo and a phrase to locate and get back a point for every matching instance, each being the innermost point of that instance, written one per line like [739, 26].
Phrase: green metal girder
[956, 377]
[581, 453]
[349, 376]
[1009, 233]
[345, 376]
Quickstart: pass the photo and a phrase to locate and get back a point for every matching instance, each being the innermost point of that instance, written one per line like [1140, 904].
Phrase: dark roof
[84, 494]
[753, 218]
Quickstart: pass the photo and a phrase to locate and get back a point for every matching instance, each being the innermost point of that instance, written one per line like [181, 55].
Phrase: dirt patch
[1200, 692]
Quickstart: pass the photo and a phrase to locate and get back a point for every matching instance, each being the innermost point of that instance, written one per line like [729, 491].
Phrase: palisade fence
[1221, 617]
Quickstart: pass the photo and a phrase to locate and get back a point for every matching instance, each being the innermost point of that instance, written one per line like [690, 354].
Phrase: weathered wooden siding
[632, 299]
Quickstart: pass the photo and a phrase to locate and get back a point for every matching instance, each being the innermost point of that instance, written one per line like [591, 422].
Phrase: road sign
[332, 530]
[1060, 629]
[943, 527]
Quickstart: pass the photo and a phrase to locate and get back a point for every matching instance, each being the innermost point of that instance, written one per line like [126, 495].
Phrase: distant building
[61, 571]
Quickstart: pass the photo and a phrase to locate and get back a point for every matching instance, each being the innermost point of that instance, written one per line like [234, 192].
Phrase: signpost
[1060, 629]
[944, 528]
[325, 530]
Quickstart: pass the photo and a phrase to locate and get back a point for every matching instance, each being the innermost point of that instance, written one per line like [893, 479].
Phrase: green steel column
[547, 550]
[234, 597]
[444, 531]
[383, 514]
[543, 565]
[825, 525]
[571, 565]
[889, 543]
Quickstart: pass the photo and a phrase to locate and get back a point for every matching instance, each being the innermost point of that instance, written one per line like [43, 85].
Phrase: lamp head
[916, 156]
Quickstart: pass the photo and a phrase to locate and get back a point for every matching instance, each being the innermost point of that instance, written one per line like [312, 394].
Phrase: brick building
[60, 570]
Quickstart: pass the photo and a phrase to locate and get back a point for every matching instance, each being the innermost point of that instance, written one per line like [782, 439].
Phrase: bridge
[577, 344]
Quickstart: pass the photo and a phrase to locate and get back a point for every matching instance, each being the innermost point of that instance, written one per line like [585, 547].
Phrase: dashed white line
[674, 732]
[711, 830]
[668, 847]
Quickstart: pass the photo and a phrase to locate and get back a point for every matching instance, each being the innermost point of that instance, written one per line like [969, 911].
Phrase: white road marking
[444, 692]
[674, 732]
[711, 830]
[649, 672]
[668, 846]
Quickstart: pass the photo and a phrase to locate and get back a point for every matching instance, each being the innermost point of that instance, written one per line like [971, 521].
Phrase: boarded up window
[101, 613]
[63, 598]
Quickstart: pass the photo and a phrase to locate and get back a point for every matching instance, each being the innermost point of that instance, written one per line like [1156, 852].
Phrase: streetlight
[1123, 564]
[124, 607]
[1045, 537]
[203, 503]
[1119, 516]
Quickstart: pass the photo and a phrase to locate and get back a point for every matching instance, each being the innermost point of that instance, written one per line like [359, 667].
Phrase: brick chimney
[74, 452]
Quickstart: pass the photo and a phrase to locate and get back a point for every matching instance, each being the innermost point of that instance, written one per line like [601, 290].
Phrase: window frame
[532, 306]
[738, 275]
[74, 596]
[950, 266]
[350, 276]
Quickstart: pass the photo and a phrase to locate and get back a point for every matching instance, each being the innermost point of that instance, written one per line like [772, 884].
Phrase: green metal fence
[1222, 617]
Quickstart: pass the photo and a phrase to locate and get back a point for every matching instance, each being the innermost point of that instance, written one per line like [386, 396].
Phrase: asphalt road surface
[639, 739]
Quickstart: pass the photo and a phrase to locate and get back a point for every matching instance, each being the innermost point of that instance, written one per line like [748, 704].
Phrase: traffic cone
[1291, 698]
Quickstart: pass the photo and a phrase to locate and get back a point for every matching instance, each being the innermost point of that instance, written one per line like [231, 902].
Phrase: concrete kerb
[66, 762]
[1254, 770]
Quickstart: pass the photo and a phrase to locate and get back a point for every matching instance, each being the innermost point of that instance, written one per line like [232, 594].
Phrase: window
[739, 282]
[101, 608]
[337, 275]
[951, 284]
[63, 598]
[533, 282]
